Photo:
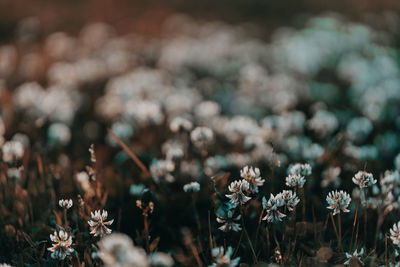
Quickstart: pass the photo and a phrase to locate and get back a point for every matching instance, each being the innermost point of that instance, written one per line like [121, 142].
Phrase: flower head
[302, 169]
[355, 257]
[118, 250]
[62, 245]
[65, 203]
[229, 223]
[98, 224]
[272, 207]
[363, 179]
[201, 137]
[238, 189]
[223, 258]
[338, 201]
[191, 187]
[12, 150]
[252, 176]
[295, 180]
[290, 198]
[395, 234]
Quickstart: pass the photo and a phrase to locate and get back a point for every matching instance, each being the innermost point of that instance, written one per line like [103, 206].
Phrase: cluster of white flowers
[338, 201]
[98, 224]
[65, 203]
[191, 187]
[364, 179]
[62, 244]
[224, 258]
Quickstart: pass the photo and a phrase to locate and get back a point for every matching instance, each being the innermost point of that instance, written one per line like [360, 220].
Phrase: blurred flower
[161, 259]
[252, 176]
[223, 258]
[272, 208]
[338, 201]
[302, 169]
[162, 169]
[15, 173]
[12, 150]
[331, 175]
[363, 179]
[136, 190]
[117, 250]
[180, 124]
[201, 137]
[238, 190]
[58, 134]
[229, 223]
[98, 224]
[62, 245]
[65, 203]
[191, 187]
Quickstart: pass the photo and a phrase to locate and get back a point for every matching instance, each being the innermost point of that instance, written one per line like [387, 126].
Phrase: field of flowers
[209, 145]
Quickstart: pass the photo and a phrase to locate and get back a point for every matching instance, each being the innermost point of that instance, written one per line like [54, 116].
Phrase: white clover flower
[363, 179]
[302, 169]
[15, 173]
[62, 245]
[117, 250]
[161, 259]
[98, 224]
[65, 203]
[12, 150]
[201, 137]
[238, 189]
[295, 180]
[191, 187]
[338, 201]
[356, 256]
[162, 169]
[229, 223]
[290, 198]
[395, 234]
[252, 176]
[223, 258]
[272, 207]
[180, 124]
[58, 134]
[5, 265]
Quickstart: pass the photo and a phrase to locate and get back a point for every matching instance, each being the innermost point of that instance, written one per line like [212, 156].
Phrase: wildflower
[201, 137]
[191, 187]
[229, 222]
[12, 150]
[180, 124]
[118, 250]
[58, 134]
[272, 207]
[331, 175]
[223, 258]
[162, 168]
[98, 225]
[295, 180]
[161, 259]
[290, 198]
[65, 203]
[302, 169]
[62, 245]
[252, 176]
[238, 189]
[137, 190]
[395, 234]
[355, 257]
[338, 201]
[15, 172]
[5, 265]
[363, 179]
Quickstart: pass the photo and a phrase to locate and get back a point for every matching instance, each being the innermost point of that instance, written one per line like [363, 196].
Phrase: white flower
[302, 169]
[180, 124]
[363, 179]
[338, 201]
[161, 259]
[295, 180]
[290, 198]
[15, 172]
[395, 234]
[238, 189]
[201, 137]
[98, 224]
[229, 222]
[356, 256]
[162, 169]
[252, 176]
[12, 150]
[65, 203]
[223, 259]
[117, 250]
[191, 187]
[62, 245]
[272, 207]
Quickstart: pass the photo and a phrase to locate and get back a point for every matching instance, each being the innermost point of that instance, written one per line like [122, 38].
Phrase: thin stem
[248, 240]
[209, 231]
[258, 227]
[146, 232]
[340, 232]
[334, 226]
